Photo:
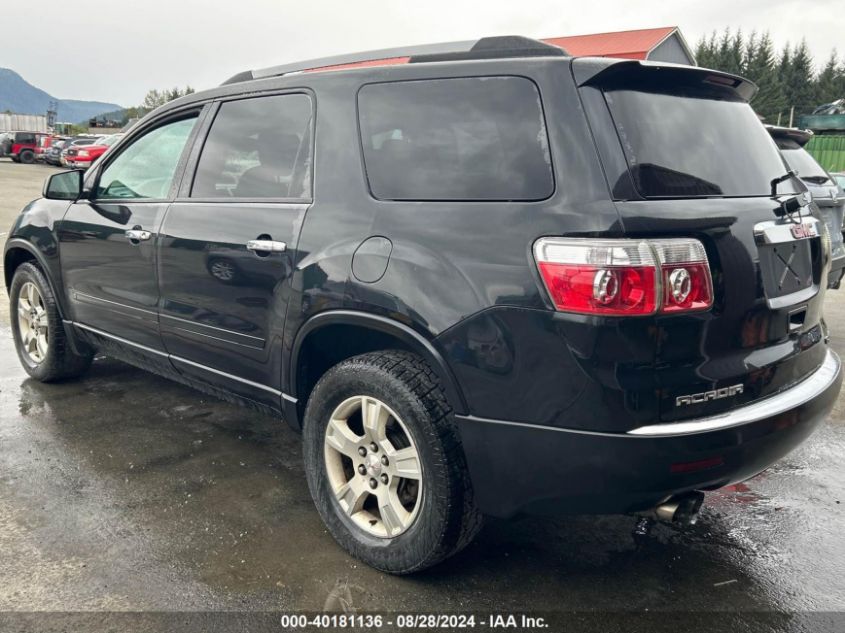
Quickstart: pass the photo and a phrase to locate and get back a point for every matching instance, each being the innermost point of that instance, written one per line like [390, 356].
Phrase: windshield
[687, 146]
[805, 165]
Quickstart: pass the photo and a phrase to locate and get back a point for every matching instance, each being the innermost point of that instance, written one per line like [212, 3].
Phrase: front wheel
[40, 339]
[385, 465]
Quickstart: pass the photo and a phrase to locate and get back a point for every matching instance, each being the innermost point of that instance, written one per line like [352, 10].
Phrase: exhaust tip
[681, 509]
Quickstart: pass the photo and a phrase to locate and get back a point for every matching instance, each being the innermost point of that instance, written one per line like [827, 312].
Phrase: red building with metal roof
[665, 44]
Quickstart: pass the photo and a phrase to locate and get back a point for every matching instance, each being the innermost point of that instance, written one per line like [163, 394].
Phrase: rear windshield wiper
[787, 176]
[817, 180]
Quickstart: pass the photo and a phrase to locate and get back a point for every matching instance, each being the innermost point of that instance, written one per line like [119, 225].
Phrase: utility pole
[51, 114]
[791, 115]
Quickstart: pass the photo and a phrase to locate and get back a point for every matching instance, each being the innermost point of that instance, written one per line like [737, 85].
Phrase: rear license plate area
[786, 268]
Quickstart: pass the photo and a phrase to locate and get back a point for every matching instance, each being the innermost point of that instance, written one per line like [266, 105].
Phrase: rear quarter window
[466, 139]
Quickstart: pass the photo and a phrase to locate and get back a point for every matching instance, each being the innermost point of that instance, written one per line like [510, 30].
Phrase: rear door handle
[137, 235]
[266, 246]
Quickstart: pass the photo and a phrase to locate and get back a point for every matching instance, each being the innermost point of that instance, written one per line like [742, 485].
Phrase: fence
[829, 150]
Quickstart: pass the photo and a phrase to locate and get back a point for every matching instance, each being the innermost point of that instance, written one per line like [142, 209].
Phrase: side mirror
[66, 185]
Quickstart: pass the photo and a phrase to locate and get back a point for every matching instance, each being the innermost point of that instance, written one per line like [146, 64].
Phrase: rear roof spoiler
[633, 73]
[485, 48]
[802, 137]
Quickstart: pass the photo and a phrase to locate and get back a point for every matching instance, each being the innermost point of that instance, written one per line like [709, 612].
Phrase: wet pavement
[125, 492]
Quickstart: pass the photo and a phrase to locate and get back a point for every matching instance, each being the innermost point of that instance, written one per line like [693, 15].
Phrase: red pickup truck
[81, 157]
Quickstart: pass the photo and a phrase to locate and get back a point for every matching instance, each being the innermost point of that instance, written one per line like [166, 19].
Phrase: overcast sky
[116, 51]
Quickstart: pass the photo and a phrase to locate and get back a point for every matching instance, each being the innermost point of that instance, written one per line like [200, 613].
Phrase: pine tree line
[785, 80]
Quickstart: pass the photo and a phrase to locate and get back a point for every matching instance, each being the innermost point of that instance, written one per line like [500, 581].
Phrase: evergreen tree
[705, 51]
[761, 68]
[800, 89]
[830, 81]
[784, 81]
[728, 55]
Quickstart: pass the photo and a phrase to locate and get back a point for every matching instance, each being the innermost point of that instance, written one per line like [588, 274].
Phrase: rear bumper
[523, 468]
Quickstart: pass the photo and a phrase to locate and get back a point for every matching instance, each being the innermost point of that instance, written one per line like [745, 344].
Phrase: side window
[145, 169]
[478, 138]
[257, 148]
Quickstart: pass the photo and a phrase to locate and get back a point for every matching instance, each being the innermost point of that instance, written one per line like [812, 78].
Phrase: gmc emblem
[707, 396]
[801, 231]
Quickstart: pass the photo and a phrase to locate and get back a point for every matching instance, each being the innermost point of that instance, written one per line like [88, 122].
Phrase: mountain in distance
[21, 97]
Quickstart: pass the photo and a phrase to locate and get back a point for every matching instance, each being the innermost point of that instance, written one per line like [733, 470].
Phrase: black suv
[482, 279]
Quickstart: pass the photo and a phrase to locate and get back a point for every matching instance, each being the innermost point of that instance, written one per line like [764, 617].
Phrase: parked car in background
[44, 145]
[455, 275]
[828, 196]
[53, 155]
[20, 146]
[81, 156]
[76, 143]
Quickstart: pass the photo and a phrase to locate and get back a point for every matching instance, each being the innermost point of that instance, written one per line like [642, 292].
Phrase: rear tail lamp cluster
[625, 277]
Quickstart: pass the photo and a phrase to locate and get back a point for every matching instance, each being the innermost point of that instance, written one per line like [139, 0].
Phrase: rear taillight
[625, 277]
[685, 275]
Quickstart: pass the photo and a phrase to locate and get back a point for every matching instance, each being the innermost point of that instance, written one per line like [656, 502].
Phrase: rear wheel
[27, 156]
[40, 340]
[385, 465]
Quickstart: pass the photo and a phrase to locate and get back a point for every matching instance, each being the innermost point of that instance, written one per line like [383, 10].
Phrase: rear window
[805, 165]
[455, 139]
[694, 146]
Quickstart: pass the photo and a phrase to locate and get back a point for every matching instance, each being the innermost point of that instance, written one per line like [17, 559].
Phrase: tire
[27, 156]
[442, 517]
[55, 360]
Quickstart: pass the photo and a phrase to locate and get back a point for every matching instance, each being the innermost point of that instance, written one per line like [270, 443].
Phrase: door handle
[138, 235]
[266, 246]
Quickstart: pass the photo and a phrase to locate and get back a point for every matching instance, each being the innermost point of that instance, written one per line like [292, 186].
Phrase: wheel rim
[33, 325]
[373, 466]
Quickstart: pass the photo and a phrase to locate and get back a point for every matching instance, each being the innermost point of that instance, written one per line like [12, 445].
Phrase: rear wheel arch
[331, 337]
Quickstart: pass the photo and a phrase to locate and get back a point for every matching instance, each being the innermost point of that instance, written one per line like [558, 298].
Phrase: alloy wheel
[33, 324]
[374, 469]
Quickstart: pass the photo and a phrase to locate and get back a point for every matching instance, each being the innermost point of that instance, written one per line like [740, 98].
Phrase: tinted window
[690, 146]
[146, 167]
[455, 139]
[257, 148]
[805, 165]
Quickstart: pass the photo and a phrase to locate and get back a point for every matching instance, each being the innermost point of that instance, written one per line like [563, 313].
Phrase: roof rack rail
[484, 48]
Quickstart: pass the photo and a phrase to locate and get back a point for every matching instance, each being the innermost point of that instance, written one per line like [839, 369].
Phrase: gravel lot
[125, 492]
